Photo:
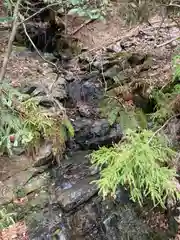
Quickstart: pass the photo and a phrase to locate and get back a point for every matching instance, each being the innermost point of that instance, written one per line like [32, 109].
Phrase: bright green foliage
[140, 164]
[6, 219]
[28, 123]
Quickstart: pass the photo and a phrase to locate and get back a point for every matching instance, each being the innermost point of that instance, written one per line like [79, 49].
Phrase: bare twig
[38, 52]
[174, 5]
[34, 46]
[168, 42]
[131, 32]
[36, 13]
[11, 39]
[158, 29]
[81, 26]
[163, 126]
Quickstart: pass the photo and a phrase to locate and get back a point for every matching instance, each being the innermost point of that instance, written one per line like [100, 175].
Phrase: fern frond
[139, 166]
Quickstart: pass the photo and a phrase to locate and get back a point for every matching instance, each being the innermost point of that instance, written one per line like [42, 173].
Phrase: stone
[69, 76]
[36, 183]
[84, 223]
[112, 72]
[80, 193]
[88, 90]
[42, 88]
[44, 155]
[9, 187]
[136, 59]
[90, 134]
[116, 47]
[125, 224]
[172, 131]
[43, 223]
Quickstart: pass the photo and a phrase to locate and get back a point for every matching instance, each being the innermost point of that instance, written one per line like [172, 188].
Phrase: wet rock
[43, 89]
[125, 224]
[73, 181]
[42, 224]
[70, 198]
[90, 134]
[75, 211]
[88, 90]
[122, 196]
[9, 187]
[44, 155]
[84, 223]
[86, 110]
[36, 183]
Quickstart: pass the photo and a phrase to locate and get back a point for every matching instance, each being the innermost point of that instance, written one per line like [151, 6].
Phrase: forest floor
[95, 37]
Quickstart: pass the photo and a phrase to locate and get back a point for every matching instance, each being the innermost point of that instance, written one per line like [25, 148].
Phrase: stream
[63, 203]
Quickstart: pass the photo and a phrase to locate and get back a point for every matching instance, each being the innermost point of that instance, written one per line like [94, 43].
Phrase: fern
[28, 123]
[138, 165]
[6, 219]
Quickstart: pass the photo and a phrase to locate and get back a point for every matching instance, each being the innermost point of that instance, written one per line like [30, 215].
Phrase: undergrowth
[23, 123]
[140, 164]
[141, 161]
[168, 98]
[6, 219]
[123, 112]
[83, 8]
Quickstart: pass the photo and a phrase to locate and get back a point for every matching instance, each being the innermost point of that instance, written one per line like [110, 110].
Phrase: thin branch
[45, 60]
[36, 13]
[174, 5]
[131, 32]
[34, 46]
[163, 126]
[11, 39]
[168, 42]
[81, 26]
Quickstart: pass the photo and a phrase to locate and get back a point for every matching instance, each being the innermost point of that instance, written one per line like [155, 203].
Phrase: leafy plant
[83, 8]
[6, 219]
[125, 113]
[168, 99]
[23, 123]
[140, 163]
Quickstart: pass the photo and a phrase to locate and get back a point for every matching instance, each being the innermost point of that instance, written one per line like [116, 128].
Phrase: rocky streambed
[61, 202]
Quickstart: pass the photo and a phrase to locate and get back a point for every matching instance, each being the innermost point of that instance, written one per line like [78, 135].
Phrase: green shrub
[23, 123]
[140, 163]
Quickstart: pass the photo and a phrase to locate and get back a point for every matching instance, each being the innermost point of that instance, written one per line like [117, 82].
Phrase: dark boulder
[91, 134]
